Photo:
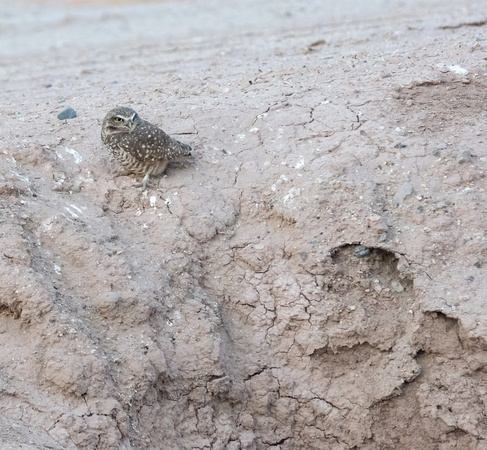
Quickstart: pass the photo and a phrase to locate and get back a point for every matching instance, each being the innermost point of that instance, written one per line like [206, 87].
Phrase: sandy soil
[315, 278]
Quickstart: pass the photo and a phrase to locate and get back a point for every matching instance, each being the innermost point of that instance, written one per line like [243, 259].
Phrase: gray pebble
[465, 155]
[361, 251]
[397, 287]
[400, 145]
[68, 113]
[382, 237]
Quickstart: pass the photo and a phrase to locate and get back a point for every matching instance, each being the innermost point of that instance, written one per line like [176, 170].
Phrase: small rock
[465, 155]
[361, 251]
[454, 179]
[68, 113]
[400, 145]
[377, 223]
[397, 287]
[402, 192]
[382, 237]
[440, 205]
[304, 255]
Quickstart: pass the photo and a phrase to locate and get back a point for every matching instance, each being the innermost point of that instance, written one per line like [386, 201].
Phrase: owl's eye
[118, 119]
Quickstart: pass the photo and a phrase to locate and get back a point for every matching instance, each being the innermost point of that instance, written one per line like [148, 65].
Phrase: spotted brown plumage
[139, 147]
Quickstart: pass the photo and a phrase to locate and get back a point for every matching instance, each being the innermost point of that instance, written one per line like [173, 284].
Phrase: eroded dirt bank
[314, 279]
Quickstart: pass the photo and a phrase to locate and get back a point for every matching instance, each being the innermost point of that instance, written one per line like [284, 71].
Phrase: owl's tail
[186, 149]
[179, 149]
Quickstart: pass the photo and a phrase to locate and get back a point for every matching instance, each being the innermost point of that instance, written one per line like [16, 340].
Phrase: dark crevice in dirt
[282, 441]
[9, 311]
[86, 403]
[478, 23]
[258, 372]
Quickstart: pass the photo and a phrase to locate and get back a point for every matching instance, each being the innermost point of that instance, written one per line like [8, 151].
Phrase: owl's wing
[149, 142]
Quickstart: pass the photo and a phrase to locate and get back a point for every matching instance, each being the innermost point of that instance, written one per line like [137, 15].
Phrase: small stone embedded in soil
[465, 155]
[400, 145]
[397, 287]
[362, 251]
[402, 192]
[68, 113]
[304, 255]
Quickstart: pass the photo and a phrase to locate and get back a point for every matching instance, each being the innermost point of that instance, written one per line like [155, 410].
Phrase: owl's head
[121, 119]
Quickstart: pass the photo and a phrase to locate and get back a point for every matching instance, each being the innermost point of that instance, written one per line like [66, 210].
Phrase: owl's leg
[145, 180]
[153, 171]
[143, 184]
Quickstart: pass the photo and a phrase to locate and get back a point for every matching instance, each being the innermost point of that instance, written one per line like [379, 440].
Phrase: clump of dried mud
[314, 279]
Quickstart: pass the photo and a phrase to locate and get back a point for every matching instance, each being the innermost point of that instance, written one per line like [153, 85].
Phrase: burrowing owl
[140, 147]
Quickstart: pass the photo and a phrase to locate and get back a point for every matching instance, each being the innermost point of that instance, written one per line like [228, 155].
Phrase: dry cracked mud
[313, 278]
